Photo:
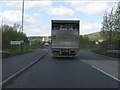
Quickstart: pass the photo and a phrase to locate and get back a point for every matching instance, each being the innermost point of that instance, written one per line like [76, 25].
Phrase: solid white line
[83, 61]
[106, 73]
[21, 70]
[102, 71]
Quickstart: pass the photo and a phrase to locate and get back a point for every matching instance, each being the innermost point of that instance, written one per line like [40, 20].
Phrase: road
[14, 64]
[105, 63]
[76, 72]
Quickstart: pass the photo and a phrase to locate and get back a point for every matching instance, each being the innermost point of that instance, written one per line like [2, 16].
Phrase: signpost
[16, 42]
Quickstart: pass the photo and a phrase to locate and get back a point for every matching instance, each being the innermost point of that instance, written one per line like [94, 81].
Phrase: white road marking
[102, 71]
[83, 61]
[21, 70]
[106, 73]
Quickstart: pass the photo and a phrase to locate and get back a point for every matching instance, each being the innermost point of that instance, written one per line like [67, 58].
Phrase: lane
[14, 64]
[107, 64]
[62, 73]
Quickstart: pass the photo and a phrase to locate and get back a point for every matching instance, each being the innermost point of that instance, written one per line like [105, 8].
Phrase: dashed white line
[102, 71]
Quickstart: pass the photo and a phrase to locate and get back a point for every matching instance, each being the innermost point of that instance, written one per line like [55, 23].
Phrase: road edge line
[102, 71]
[106, 73]
[9, 78]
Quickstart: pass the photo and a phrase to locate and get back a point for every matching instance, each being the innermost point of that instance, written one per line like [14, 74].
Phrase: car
[46, 44]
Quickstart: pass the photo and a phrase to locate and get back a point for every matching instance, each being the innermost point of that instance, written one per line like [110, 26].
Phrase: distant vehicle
[65, 38]
[46, 44]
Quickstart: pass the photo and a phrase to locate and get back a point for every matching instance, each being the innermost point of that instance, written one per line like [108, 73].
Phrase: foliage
[35, 41]
[111, 25]
[0, 39]
[85, 40]
[111, 28]
[86, 43]
[95, 36]
[10, 33]
[36, 46]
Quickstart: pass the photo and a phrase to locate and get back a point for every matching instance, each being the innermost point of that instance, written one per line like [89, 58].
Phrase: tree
[116, 34]
[85, 40]
[10, 33]
[111, 27]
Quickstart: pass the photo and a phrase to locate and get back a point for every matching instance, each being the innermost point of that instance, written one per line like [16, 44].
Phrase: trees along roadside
[10, 33]
[111, 32]
[111, 29]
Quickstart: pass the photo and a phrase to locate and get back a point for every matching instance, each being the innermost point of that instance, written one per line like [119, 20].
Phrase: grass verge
[97, 51]
[18, 51]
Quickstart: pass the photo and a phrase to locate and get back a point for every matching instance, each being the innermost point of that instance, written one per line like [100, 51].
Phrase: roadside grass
[18, 51]
[98, 51]
[37, 46]
[87, 46]
[95, 49]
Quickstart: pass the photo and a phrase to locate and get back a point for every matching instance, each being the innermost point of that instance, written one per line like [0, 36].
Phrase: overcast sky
[39, 13]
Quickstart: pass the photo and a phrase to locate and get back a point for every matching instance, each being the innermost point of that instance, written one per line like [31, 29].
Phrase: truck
[65, 38]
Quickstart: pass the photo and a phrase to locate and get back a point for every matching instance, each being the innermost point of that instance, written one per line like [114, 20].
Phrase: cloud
[32, 25]
[11, 16]
[28, 4]
[35, 26]
[16, 4]
[86, 28]
[61, 10]
[45, 5]
[39, 4]
[89, 7]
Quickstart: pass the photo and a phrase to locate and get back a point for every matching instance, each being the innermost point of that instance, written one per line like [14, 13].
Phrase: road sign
[15, 42]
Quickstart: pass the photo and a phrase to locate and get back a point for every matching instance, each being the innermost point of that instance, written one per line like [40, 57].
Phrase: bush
[10, 33]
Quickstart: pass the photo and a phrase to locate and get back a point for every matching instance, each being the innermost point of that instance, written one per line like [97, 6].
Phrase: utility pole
[22, 24]
[22, 15]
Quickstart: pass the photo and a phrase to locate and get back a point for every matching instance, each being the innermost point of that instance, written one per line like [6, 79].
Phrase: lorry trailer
[64, 38]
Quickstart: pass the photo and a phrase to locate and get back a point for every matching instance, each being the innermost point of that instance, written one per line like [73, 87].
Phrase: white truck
[64, 38]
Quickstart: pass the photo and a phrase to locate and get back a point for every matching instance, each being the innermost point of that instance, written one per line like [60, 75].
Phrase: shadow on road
[65, 58]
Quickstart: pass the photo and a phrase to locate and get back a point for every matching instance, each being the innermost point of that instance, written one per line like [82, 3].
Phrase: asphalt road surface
[52, 72]
[104, 63]
[14, 64]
